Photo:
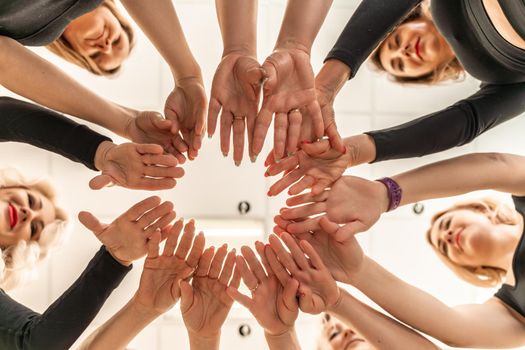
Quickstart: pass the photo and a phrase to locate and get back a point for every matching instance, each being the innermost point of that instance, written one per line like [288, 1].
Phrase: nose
[26, 214]
[348, 332]
[448, 236]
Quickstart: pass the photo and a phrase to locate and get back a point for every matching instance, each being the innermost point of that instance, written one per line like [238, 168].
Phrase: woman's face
[100, 36]
[466, 237]
[414, 49]
[23, 215]
[341, 337]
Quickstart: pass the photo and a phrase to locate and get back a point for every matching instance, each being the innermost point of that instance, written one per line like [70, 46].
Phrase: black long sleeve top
[40, 22]
[479, 47]
[44, 128]
[65, 320]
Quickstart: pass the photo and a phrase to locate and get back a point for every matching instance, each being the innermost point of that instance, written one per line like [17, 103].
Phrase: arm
[158, 289]
[63, 322]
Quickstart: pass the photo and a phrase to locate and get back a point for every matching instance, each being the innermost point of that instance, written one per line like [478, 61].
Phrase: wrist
[359, 275]
[191, 73]
[189, 79]
[122, 262]
[101, 154]
[292, 44]
[199, 341]
[392, 198]
[361, 149]
[241, 50]
[143, 311]
[332, 77]
[337, 304]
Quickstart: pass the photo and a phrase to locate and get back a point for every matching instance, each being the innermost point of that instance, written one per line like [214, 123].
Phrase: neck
[508, 239]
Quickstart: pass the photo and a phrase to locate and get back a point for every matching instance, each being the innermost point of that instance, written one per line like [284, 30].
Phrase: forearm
[380, 330]
[332, 77]
[198, 342]
[301, 23]
[161, 24]
[286, 340]
[29, 75]
[238, 23]
[120, 329]
[478, 171]
[361, 149]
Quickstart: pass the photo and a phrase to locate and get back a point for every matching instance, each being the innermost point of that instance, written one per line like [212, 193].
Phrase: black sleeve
[454, 126]
[44, 128]
[65, 320]
[367, 28]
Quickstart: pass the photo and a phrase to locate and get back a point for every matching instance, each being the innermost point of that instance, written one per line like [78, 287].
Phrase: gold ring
[293, 110]
[239, 118]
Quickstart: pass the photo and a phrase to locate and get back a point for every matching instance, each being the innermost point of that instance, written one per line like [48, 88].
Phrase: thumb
[239, 297]
[340, 233]
[290, 294]
[160, 122]
[101, 181]
[316, 148]
[91, 222]
[186, 296]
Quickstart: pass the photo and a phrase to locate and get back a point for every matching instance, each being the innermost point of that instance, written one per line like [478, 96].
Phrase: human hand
[288, 91]
[127, 236]
[205, 303]
[273, 306]
[235, 90]
[343, 259]
[355, 202]
[159, 283]
[135, 166]
[317, 288]
[316, 166]
[152, 127]
[186, 108]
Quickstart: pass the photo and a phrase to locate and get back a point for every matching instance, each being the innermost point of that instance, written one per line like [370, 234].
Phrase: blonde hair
[451, 70]
[63, 48]
[18, 262]
[498, 213]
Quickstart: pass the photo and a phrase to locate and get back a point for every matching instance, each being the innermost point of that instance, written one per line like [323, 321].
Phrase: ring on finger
[293, 110]
[254, 288]
[235, 117]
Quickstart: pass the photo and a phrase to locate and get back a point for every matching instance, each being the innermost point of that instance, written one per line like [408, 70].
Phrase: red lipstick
[418, 49]
[13, 215]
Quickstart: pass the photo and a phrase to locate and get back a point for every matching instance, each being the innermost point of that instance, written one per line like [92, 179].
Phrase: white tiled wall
[213, 186]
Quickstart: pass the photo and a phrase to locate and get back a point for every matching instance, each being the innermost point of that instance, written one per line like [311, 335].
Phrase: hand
[317, 288]
[288, 92]
[151, 127]
[135, 166]
[316, 166]
[205, 303]
[235, 89]
[274, 307]
[186, 108]
[159, 283]
[127, 236]
[353, 201]
[343, 259]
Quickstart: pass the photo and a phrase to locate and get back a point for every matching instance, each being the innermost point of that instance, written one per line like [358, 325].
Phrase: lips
[418, 49]
[457, 238]
[13, 215]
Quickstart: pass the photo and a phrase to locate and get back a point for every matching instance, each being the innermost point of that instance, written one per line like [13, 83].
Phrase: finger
[179, 144]
[152, 184]
[151, 216]
[253, 262]
[294, 130]
[226, 125]
[288, 163]
[239, 297]
[153, 245]
[307, 198]
[303, 211]
[279, 137]
[250, 126]
[162, 171]
[204, 262]
[320, 186]
[90, 222]
[335, 139]
[173, 237]
[342, 233]
[186, 296]
[238, 140]
[137, 210]
[262, 123]
[314, 110]
[278, 269]
[306, 302]
[295, 250]
[216, 264]
[259, 247]
[235, 282]
[286, 181]
[278, 230]
[165, 160]
[213, 112]
[307, 225]
[227, 269]
[196, 250]
[197, 144]
[247, 275]
[149, 148]
[306, 182]
[270, 160]
[186, 240]
[316, 149]
[316, 261]
[101, 181]
[290, 294]
[284, 257]
[200, 122]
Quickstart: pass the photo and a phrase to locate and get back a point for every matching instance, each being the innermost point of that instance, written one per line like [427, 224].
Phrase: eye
[95, 55]
[117, 40]
[333, 335]
[397, 40]
[401, 65]
[30, 200]
[447, 224]
[443, 247]
[34, 229]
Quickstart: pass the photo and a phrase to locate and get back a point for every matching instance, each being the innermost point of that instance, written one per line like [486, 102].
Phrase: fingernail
[266, 174]
[234, 250]
[290, 154]
[237, 163]
[306, 142]
[210, 136]
[225, 154]
[253, 159]
[277, 160]
[269, 194]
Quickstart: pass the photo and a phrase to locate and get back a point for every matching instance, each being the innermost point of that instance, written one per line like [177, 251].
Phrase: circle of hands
[314, 244]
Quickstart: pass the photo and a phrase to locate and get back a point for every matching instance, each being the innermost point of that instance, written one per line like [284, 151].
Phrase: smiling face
[23, 215]
[99, 36]
[414, 49]
[337, 336]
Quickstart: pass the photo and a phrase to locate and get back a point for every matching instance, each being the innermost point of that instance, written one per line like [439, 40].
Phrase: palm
[328, 165]
[151, 127]
[323, 290]
[118, 239]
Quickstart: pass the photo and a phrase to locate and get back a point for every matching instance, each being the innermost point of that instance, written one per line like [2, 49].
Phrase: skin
[337, 336]
[414, 49]
[98, 34]
[34, 212]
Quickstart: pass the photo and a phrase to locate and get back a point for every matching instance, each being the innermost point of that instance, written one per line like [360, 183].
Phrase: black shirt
[479, 47]
[65, 320]
[40, 22]
[25, 122]
[515, 296]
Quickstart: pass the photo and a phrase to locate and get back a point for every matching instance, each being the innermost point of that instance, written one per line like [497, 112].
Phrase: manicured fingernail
[306, 142]
[210, 136]
[290, 154]
[234, 251]
[253, 159]
[225, 154]
[277, 160]
[269, 194]
[237, 163]
[266, 174]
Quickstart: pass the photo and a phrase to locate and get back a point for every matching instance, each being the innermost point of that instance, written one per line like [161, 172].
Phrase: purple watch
[394, 192]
